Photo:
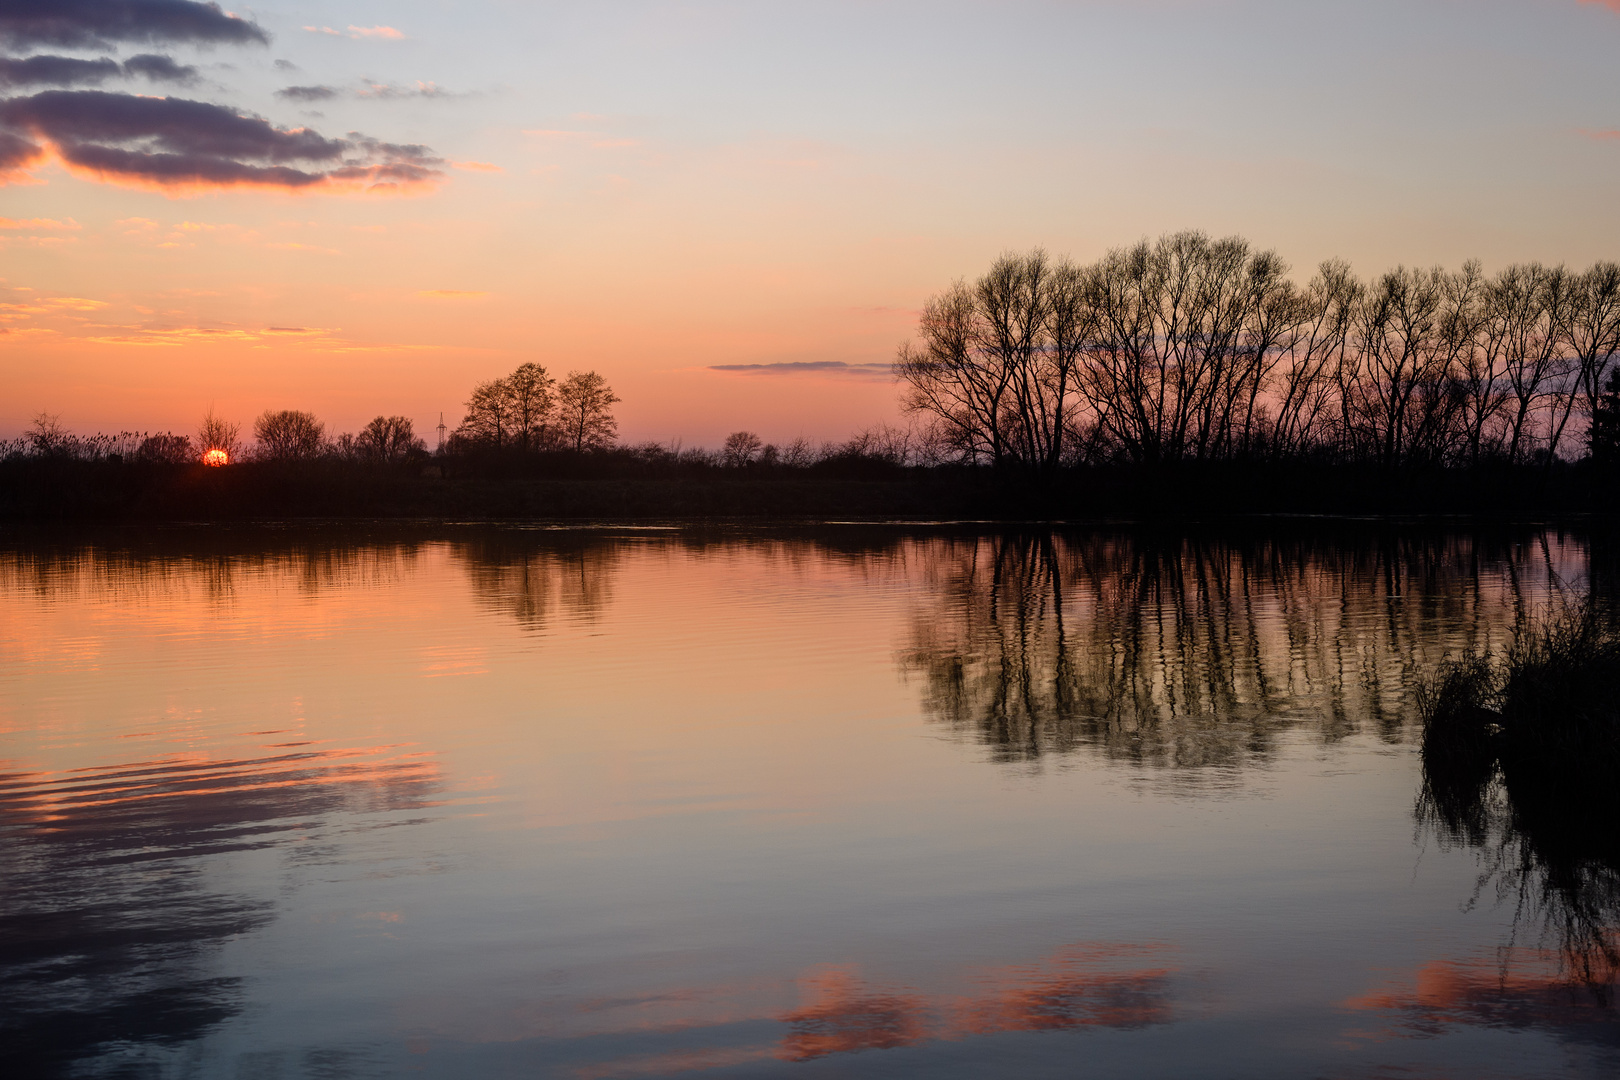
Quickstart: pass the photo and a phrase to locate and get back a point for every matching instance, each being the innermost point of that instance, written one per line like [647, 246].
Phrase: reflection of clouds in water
[107, 921]
[1081, 986]
[1191, 652]
[840, 1011]
[1522, 989]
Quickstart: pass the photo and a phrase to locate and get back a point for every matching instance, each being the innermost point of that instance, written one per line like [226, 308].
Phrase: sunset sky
[733, 211]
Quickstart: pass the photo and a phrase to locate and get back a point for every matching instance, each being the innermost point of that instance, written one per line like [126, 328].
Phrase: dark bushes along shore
[1521, 760]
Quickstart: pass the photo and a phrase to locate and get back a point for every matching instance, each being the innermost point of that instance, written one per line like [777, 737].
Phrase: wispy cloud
[308, 93]
[387, 33]
[37, 224]
[476, 166]
[808, 367]
[367, 89]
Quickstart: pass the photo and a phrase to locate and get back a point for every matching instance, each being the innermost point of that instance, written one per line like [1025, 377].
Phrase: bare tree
[1188, 332]
[389, 439]
[1530, 304]
[529, 400]
[798, 454]
[46, 435]
[488, 421]
[740, 448]
[1591, 332]
[948, 380]
[216, 435]
[995, 375]
[288, 435]
[1313, 352]
[585, 411]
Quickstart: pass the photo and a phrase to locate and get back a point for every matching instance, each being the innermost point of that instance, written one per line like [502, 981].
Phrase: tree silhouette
[585, 411]
[389, 439]
[288, 435]
[741, 448]
[217, 433]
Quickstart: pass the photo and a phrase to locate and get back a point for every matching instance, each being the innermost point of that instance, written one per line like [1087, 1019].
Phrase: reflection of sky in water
[505, 802]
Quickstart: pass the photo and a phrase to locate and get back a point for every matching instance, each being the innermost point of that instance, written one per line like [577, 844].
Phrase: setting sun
[216, 457]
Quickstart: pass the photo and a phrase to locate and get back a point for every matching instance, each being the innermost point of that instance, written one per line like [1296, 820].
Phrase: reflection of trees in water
[1545, 850]
[1520, 766]
[1195, 651]
[212, 562]
[107, 919]
[532, 576]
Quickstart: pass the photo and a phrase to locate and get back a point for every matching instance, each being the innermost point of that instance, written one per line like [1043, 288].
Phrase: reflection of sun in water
[216, 457]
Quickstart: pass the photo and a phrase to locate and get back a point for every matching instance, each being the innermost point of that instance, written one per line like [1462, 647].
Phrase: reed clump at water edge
[1521, 760]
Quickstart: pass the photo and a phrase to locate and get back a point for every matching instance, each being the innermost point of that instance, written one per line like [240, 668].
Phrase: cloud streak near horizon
[808, 367]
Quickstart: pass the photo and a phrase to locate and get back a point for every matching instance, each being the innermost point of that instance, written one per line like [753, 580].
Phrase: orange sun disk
[216, 457]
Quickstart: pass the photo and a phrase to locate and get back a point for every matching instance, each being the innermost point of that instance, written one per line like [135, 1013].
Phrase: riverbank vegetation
[1520, 755]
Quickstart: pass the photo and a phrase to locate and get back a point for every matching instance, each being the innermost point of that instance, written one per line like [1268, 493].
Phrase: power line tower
[440, 429]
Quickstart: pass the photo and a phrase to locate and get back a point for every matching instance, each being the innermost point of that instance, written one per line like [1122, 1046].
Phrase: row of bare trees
[1190, 348]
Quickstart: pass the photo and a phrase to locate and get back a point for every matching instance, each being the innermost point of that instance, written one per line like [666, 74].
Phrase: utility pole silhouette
[440, 430]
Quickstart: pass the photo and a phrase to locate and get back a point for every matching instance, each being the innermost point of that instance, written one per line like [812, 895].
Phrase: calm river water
[474, 802]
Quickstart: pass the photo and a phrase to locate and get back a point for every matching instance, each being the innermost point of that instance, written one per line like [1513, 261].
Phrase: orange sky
[651, 190]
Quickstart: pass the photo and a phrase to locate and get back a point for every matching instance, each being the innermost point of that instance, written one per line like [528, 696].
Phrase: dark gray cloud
[308, 93]
[286, 65]
[56, 71]
[99, 23]
[160, 69]
[366, 90]
[808, 367]
[174, 142]
[70, 71]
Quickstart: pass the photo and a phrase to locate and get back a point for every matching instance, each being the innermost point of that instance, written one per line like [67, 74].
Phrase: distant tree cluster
[528, 411]
[1191, 348]
[882, 446]
[291, 435]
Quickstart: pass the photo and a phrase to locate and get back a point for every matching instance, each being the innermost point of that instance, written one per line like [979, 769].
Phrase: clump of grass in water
[1521, 759]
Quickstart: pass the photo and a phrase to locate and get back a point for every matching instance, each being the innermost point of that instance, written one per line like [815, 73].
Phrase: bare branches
[1191, 348]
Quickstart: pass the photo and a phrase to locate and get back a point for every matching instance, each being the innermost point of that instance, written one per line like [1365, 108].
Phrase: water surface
[856, 802]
